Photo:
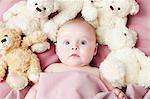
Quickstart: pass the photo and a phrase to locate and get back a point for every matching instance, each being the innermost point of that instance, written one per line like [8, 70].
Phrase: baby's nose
[74, 48]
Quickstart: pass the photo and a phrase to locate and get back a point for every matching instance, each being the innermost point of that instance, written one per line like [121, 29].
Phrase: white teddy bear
[32, 15]
[68, 9]
[125, 64]
[28, 17]
[111, 13]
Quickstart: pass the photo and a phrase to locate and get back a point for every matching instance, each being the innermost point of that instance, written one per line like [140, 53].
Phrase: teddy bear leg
[40, 47]
[17, 80]
[114, 72]
[34, 69]
[3, 68]
[144, 77]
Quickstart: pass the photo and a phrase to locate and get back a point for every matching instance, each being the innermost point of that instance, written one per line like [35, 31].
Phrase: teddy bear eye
[5, 35]
[35, 4]
[92, 1]
[119, 8]
[44, 8]
[125, 34]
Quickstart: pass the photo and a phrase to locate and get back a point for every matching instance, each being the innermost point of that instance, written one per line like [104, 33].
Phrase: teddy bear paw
[40, 47]
[51, 29]
[89, 16]
[113, 71]
[17, 82]
[144, 78]
[34, 77]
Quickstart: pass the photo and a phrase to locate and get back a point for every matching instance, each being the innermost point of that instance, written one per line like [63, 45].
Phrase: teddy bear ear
[135, 7]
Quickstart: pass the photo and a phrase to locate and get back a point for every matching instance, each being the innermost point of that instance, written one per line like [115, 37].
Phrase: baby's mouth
[75, 55]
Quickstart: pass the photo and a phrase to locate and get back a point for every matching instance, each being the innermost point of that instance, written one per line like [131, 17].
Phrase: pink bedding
[71, 85]
[139, 22]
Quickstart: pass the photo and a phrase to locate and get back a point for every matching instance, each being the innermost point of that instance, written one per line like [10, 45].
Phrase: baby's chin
[75, 64]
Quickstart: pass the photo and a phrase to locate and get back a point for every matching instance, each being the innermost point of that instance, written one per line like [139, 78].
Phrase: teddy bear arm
[68, 12]
[36, 37]
[34, 69]
[3, 67]
[14, 10]
[143, 60]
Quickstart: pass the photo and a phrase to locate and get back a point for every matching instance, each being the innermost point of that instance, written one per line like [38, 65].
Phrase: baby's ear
[96, 47]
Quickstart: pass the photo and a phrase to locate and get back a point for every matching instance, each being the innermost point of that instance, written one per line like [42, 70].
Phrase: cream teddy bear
[20, 62]
[28, 17]
[111, 13]
[125, 64]
[67, 9]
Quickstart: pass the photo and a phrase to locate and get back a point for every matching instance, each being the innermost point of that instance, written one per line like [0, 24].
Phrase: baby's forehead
[77, 27]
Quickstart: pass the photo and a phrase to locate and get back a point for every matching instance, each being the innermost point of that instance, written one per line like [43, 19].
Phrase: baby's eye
[66, 42]
[83, 42]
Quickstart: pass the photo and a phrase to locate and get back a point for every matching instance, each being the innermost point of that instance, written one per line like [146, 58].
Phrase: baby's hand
[119, 93]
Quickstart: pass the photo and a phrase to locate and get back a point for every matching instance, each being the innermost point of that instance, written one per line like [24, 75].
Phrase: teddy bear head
[121, 37]
[120, 8]
[9, 39]
[40, 8]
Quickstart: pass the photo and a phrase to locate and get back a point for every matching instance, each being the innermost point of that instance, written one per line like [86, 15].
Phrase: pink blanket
[71, 85]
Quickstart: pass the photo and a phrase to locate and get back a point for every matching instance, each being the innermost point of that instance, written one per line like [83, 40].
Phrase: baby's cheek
[87, 56]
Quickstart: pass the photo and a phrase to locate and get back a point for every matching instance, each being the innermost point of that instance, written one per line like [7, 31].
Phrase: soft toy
[125, 64]
[20, 64]
[111, 13]
[67, 9]
[28, 17]
[32, 15]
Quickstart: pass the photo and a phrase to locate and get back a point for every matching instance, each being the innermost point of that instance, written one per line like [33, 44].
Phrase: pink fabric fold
[137, 92]
[71, 85]
[7, 93]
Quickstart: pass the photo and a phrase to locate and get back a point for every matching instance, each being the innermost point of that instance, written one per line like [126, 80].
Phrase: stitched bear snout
[38, 9]
[3, 40]
[112, 8]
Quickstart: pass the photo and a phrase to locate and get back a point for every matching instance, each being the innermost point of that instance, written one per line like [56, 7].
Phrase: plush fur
[125, 64]
[22, 64]
[26, 17]
[32, 15]
[67, 9]
[111, 13]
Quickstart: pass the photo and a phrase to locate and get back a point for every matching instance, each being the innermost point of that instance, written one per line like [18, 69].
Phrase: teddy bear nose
[3, 40]
[38, 9]
[112, 8]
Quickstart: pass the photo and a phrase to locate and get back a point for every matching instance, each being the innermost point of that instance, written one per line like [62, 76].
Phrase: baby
[76, 45]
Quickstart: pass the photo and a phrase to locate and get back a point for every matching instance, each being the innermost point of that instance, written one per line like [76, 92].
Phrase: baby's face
[76, 44]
